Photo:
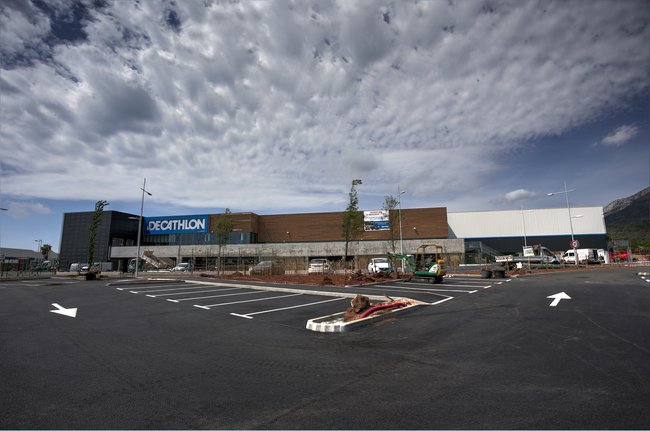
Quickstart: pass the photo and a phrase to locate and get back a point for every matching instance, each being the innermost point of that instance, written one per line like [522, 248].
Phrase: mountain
[629, 218]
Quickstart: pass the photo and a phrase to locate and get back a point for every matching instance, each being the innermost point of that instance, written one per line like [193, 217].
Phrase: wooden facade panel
[242, 222]
[300, 227]
[428, 223]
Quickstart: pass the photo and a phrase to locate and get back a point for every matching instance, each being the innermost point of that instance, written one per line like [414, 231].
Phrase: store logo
[182, 224]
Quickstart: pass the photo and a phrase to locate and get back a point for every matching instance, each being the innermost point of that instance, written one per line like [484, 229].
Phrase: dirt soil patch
[350, 279]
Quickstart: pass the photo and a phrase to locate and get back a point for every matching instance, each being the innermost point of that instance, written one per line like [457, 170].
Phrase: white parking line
[441, 301]
[187, 293]
[248, 316]
[149, 287]
[449, 284]
[207, 307]
[425, 290]
[217, 296]
[169, 290]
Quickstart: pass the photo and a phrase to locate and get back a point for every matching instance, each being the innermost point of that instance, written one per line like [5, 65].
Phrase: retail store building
[465, 237]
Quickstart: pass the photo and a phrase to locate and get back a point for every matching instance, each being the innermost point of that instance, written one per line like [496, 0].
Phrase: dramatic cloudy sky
[276, 106]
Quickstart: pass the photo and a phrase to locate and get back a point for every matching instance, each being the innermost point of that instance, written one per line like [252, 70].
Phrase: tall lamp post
[573, 242]
[137, 257]
[2, 256]
[399, 216]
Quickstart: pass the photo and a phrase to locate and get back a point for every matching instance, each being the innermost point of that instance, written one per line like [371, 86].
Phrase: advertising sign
[529, 252]
[375, 220]
[175, 224]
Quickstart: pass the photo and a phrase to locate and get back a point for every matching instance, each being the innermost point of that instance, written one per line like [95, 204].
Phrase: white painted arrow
[557, 298]
[70, 312]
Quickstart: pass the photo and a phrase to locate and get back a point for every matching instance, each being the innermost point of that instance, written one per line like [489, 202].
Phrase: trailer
[533, 255]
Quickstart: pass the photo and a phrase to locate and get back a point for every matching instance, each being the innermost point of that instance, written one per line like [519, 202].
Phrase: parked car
[319, 266]
[379, 264]
[267, 267]
[183, 267]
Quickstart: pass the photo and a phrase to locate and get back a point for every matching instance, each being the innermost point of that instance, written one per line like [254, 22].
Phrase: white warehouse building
[509, 231]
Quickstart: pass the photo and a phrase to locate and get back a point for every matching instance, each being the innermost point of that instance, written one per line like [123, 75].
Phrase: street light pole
[399, 216]
[573, 243]
[137, 257]
[2, 256]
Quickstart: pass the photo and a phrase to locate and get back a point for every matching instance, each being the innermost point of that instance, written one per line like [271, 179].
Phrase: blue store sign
[175, 224]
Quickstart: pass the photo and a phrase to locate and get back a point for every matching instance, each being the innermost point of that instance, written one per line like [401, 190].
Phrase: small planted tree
[352, 224]
[223, 230]
[45, 251]
[391, 204]
[92, 233]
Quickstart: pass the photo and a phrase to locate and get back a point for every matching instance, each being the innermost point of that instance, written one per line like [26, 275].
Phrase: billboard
[175, 224]
[375, 220]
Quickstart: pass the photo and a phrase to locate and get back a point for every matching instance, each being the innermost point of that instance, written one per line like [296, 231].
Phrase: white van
[379, 264]
[585, 255]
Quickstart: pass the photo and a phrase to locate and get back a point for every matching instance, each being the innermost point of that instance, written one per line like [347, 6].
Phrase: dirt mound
[356, 278]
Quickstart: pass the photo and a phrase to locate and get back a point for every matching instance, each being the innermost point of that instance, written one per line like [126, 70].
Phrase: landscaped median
[354, 317]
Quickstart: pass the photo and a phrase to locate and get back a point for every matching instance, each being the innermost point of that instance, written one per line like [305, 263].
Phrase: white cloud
[520, 194]
[621, 135]
[268, 105]
[21, 210]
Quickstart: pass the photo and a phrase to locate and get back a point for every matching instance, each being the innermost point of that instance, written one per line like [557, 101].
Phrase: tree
[352, 225]
[92, 233]
[223, 231]
[45, 251]
[391, 204]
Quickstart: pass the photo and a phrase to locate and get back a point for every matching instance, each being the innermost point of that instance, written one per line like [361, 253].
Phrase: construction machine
[431, 267]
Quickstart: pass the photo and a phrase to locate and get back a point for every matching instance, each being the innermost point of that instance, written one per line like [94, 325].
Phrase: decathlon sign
[176, 224]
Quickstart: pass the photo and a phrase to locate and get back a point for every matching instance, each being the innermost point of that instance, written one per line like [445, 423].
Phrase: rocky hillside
[629, 218]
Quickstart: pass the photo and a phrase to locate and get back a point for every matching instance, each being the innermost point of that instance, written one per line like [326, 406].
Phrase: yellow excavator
[431, 268]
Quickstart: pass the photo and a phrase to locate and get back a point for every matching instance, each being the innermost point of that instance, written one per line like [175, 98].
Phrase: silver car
[319, 266]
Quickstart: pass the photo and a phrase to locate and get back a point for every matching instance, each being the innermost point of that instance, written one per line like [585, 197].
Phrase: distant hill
[629, 218]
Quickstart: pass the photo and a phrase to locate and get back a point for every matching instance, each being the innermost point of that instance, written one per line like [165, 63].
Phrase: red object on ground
[381, 307]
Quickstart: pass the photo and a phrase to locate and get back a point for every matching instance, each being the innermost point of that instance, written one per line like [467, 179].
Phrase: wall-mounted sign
[375, 220]
[175, 224]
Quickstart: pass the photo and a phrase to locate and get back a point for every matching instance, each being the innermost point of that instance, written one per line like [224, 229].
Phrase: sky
[274, 107]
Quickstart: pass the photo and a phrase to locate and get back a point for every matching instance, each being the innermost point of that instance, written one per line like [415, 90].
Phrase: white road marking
[172, 289]
[169, 287]
[187, 293]
[448, 284]
[250, 300]
[422, 289]
[219, 296]
[241, 315]
[441, 301]
[288, 308]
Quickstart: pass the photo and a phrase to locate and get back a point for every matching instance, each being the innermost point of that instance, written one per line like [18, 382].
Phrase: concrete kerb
[335, 323]
[136, 281]
[288, 290]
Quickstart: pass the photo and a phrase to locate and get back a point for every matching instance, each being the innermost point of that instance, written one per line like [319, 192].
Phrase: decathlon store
[294, 239]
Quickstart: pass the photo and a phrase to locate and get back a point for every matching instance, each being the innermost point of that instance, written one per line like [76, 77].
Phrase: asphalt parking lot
[484, 354]
[292, 304]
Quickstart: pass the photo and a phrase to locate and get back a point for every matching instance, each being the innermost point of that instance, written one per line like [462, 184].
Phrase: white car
[319, 266]
[379, 264]
[186, 266]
